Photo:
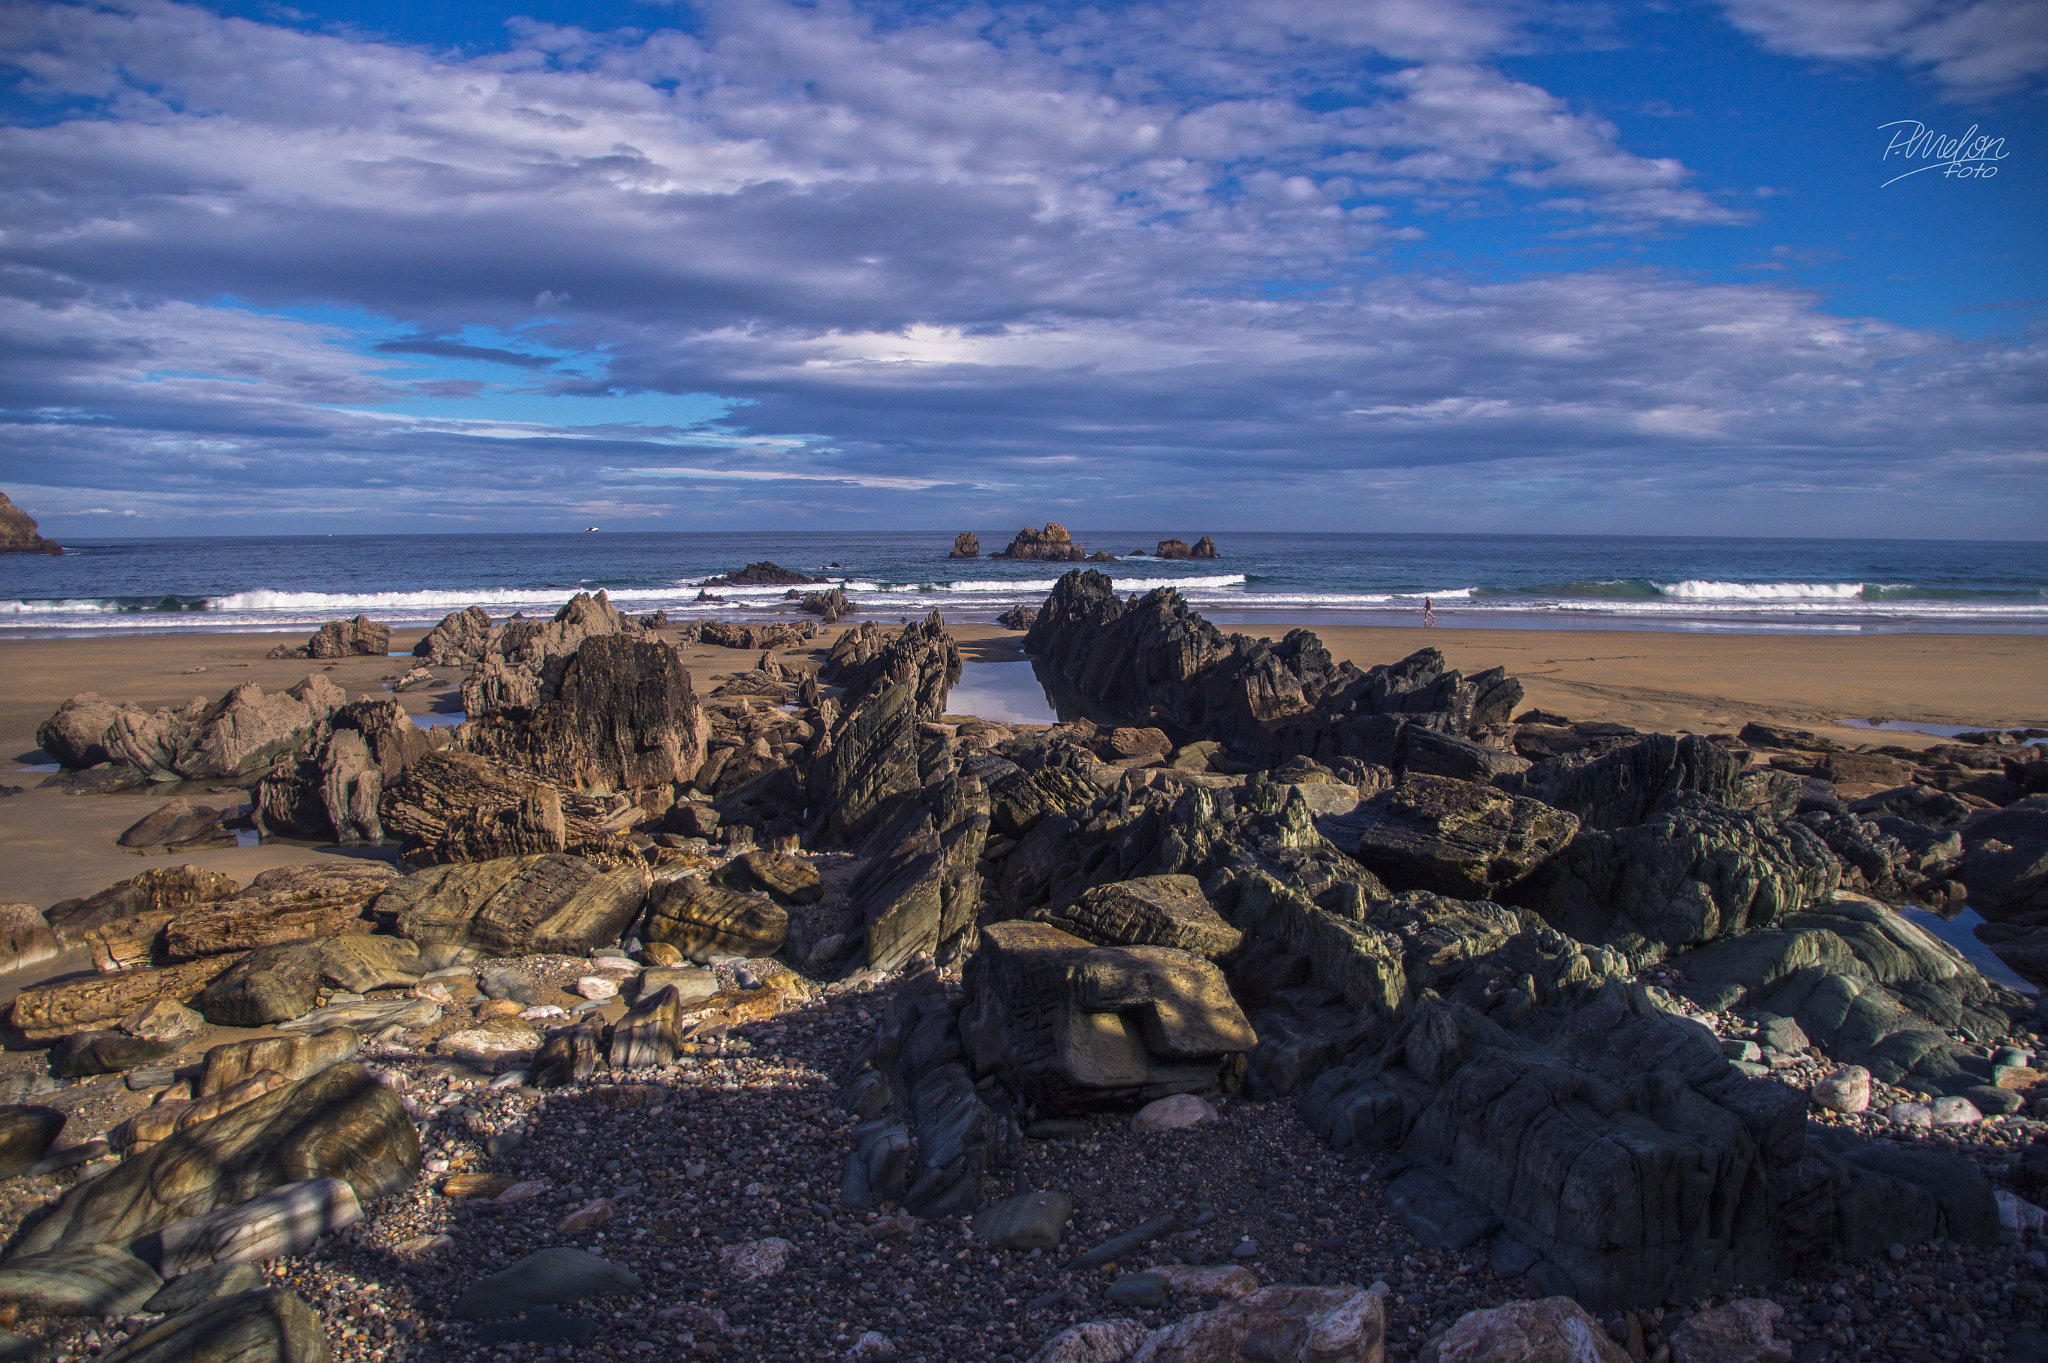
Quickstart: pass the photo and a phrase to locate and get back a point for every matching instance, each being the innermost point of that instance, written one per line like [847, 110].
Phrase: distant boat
[589, 529]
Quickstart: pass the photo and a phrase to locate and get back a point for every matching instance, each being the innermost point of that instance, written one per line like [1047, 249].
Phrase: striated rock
[203, 1286]
[568, 1056]
[518, 906]
[789, 878]
[236, 735]
[263, 1325]
[1552, 1330]
[788, 634]
[360, 637]
[921, 894]
[1095, 1341]
[832, 605]
[89, 1280]
[456, 806]
[340, 1123]
[334, 790]
[1052, 544]
[167, 889]
[269, 984]
[26, 1134]
[1693, 872]
[1450, 837]
[1739, 1332]
[460, 640]
[868, 774]
[1166, 911]
[1622, 787]
[292, 1057]
[56, 1010]
[283, 904]
[965, 545]
[25, 938]
[18, 533]
[652, 1032]
[1278, 1325]
[285, 1220]
[617, 713]
[701, 920]
[1079, 1028]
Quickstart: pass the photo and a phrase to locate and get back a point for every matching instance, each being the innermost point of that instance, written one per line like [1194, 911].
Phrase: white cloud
[1975, 48]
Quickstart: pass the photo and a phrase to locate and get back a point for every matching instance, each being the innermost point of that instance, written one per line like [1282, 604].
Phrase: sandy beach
[54, 845]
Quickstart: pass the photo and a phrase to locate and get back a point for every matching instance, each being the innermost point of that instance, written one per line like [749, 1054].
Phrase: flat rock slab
[94, 1280]
[203, 1286]
[545, 1277]
[268, 1325]
[1027, 1221]
[285, 1220]
[1166, 911]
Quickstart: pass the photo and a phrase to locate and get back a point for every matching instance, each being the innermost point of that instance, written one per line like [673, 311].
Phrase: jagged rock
[360, 637]
[1623, 786]
[1018, 617]
[1052, 544]
[167, 889]
[727, 634]
[518, 906]
[18, 532]
[1078, 1028]
[869, 773]
[339, 1123]
[460, 640]
[1166, 911]
[334, 790]
[520, 655]
[1450, 837]
[234, 736]
[1204, 548]
[26, 1134]
[59, 1009]
[791, 879]
[1285, 1324]
[264, 1325]
[1174, 549]
[652, 1031]
[965, 545]
[177, 824]
[832, 605]
[762, 574]
[701, 920]
[1693, 872]
[90, 1280]
[283, 904]
[2005, 861]
[290, 1057]
[25, 938]
[615, 714]
[457, 806]
[568, 1056]
[921, 894]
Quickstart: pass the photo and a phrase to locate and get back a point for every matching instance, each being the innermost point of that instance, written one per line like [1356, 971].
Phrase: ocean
[125, 586]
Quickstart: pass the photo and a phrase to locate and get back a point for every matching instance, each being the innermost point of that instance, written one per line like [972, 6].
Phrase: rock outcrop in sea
[965, 545]
[1261, 977]
[19, 534]
[1051, 545]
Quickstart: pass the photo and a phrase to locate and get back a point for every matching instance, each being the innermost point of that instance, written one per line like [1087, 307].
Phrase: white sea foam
[265, 599]
[1696, 589]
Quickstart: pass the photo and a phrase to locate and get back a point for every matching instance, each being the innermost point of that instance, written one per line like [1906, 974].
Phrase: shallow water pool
[1008, 693]
[1958, 933]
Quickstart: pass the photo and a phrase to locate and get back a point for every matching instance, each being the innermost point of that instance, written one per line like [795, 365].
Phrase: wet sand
[53, 846]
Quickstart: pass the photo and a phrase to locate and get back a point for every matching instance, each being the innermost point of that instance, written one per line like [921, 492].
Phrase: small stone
[1782, 1034]
[757, 1260]
[1953, 1111]
[596, 987]
[1210, 1280]
[549, 1276]
[1246, 1248]
[421, 1246]
[873, 1347]
[1027, 1221]
[1175, 1113]
[1739, 1332]
[1845, 1090]
[1742, 1050]
[501, 1008]
[1554, 1329]
[1897, 1253]
[1910, 1114]
[520, 1192]
[589, 1216]
[1144, 1291]
[476, 1184]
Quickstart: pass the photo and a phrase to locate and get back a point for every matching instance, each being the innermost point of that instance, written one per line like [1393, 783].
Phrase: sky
[1769, 267]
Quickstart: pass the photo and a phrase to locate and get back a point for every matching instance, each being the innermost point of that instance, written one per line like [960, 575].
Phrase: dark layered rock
[1454, 838]
[965, 545]
[1616, 1147]
[56, 1010]
[166, 889]
[1694, 871]
[1073, 1027]
[1619, 788]
[522, 656]
[335, 789]
[1018, 617]
[269, 984]
[763, 574]
[831, 605]
[2005, 859]
[920, 896]
[283, 904]
[1166, 911]
[458, 806]
[1180, 549]
[360, 637]
[866, 772]
[236, 735]
[517, 906]
[1051, 545]
[18, 533]
[651, 1033]
[616, 714]
[789, 878]
[460, 640]
[262, 1325]
[769, 635]
[178, 825]
[339, 1123]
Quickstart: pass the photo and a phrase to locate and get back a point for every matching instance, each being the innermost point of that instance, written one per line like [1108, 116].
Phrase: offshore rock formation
[1052, 544]
[18, 534]
[1178, 549]
[965, 545]
[763, 574]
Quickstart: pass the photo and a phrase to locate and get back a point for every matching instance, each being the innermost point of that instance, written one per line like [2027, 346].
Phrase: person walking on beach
[1428, 612]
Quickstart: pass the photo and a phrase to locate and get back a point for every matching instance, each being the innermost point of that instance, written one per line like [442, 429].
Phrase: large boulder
[1694, 871]
[458, 806]
[1078, 1028]
[1623, 786]
[867, 773]
[333, 789]
[1450, 837]
[262, 1325]
[701, 920]
[616, 713]
[965, 545]
[921, 894]
[339, 1123]
[236, 735]
[1165, 911]
[165, 889]
[517, 906]
[283, 904]
[360, 637]
[460, 640]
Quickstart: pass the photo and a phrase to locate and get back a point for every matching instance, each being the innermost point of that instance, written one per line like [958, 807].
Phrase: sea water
[1263, 579]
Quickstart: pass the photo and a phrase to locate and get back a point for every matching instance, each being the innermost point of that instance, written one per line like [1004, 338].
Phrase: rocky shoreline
[1264, 997]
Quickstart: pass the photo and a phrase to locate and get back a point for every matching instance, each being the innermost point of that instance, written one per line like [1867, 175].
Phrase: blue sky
[1328, 264]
